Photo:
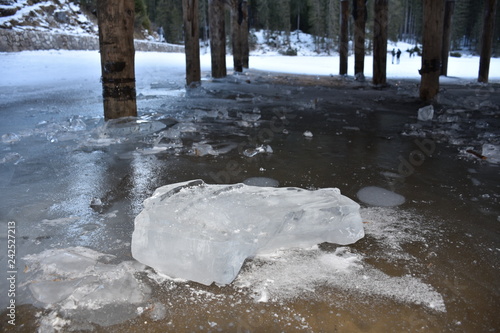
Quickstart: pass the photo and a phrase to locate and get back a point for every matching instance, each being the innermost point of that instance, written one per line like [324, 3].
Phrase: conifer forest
[321, 18]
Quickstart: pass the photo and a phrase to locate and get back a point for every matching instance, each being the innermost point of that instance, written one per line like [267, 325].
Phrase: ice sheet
[79, 279]
[204, 233]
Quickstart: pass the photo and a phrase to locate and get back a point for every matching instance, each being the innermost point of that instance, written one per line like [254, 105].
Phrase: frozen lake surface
[73, 185]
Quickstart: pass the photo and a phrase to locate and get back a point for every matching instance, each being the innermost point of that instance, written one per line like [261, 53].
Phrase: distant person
[393, 55]
[161, 34]
[398, 55]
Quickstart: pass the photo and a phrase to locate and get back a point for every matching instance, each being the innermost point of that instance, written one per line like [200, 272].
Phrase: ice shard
[204, 233]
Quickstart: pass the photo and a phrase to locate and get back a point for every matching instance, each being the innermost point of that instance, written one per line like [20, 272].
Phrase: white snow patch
[298, 273]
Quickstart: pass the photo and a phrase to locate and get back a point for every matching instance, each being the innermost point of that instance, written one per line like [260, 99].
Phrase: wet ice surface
[74, 185]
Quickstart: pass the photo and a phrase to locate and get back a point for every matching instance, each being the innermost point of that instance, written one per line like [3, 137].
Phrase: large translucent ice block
[204, 233]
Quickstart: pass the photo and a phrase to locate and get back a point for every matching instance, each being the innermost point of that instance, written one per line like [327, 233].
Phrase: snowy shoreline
[64, 64]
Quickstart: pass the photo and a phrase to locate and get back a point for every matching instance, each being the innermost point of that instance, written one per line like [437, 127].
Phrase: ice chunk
[171, 133]
[13, 158]
[426, 113]
[74, 278]
[204, 233]
[202, 149]
[251, 152]
[130, 126]
[249, 117]
[308, 134]
[185, 127]
[377, 196]
[10, 138]
[492, 153]
[76, 124]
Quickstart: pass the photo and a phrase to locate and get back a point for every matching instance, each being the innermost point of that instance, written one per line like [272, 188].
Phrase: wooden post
[380, 42]
[116, 44]
[239, 33]
[344, 37]
[244, 34]
[359, 14]
[487, 39]
[448, 15]
[191, 41]
[432, 41]
[217, 38]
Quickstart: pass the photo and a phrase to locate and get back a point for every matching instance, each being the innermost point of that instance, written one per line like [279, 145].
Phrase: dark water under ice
[430, 264]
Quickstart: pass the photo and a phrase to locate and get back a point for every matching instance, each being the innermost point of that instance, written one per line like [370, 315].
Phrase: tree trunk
[380, 42]
[191, 41]
[360, 15]
[344, 37]
[448, 15]
[217, 38]
[116, 44]
[487, 39]
[432, 41]
[239, 25]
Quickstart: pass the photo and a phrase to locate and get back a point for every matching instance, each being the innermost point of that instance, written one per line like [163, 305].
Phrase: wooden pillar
[359, 14]
[448, 15]
[116, 44]
[344, 36]
[244, 35]
[380, 42]
[239, 33]
[216, 16]
[191, 41]
[432, 41]
[487, 39]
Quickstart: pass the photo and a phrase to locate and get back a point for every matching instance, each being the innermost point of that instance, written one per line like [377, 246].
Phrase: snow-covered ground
[61, 66]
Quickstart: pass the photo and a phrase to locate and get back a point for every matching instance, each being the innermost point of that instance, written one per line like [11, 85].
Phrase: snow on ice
[204, 233]
[275, 278]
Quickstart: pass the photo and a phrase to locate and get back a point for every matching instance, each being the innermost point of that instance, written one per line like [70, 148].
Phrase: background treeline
[321, 19]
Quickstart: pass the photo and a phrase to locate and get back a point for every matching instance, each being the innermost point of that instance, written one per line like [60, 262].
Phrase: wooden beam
[360, 15]
[239, 34]
[432, 41]
[380, 42]
[116, 44]
[216, 15]
[448, 15]
[191, 41]
[344, 36]
[487, 39]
